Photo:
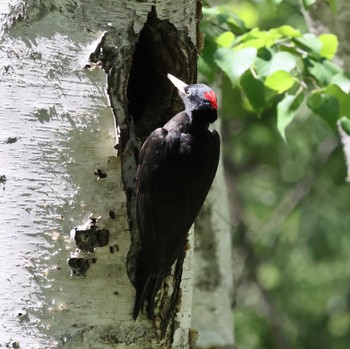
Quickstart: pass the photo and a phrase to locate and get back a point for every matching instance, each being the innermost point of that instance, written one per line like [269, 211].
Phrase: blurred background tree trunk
[213, 270]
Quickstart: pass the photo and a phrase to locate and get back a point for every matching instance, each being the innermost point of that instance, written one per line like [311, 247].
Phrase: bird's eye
[188, 93]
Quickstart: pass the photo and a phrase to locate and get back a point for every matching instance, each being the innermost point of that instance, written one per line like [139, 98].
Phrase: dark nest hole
[161, 49]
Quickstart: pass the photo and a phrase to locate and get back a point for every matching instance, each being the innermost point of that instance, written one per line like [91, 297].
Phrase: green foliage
[284, 65]
[308, 3]
[325, 105]
[345, 124]
[331, 3]
[290, 200]
[287, 109]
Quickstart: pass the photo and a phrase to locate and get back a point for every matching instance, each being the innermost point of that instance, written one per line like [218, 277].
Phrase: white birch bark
[57, 116]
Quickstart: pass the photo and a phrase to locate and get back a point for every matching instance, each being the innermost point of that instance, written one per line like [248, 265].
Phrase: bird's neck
[199, 120]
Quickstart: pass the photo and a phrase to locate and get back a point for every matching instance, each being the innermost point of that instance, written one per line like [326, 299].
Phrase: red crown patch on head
[211, 97]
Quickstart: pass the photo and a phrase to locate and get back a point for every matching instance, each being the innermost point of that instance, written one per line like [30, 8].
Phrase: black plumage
[177, 165]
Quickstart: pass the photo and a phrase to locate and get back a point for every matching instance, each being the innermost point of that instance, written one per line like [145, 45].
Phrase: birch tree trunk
[67, 196]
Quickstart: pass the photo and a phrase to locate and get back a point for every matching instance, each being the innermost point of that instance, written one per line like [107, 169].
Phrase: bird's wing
[174, 176]
[156, 199]
[204, 171]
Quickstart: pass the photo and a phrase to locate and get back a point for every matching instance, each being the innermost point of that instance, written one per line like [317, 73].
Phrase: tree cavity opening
[160, 49]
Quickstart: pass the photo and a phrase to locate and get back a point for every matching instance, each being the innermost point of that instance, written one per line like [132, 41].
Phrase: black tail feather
[146, 286]
[147, 292]
[171, 310]
[141, 280]
[152, 291]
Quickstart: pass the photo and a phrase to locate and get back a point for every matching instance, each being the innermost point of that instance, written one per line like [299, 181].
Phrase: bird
[177, 165]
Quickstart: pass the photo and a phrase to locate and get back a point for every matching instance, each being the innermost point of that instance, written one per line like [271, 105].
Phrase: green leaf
[310, 43]
[329, 45]
[269, 275]
[323, 71]
[259, 38]
[280, 81]
[345, 124]
[206, 63]
[223, 18]
[225, 39]
[343, 100]
[326, 106]
[279, 61]
[248, 13]
[254, 90]
[342, 80]
[308, 3]
[333, 5]
[287, 109]
[235, 63]
[288, 31]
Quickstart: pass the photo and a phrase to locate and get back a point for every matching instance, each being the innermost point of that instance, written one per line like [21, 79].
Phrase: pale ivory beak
[177, 83]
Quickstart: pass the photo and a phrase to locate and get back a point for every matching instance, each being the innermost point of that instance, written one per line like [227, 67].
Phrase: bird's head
[197, 98]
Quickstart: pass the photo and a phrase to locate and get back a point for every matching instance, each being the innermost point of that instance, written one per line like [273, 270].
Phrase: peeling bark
[58, 165]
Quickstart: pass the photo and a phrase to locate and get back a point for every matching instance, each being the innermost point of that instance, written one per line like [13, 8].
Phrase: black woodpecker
[177, 165]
